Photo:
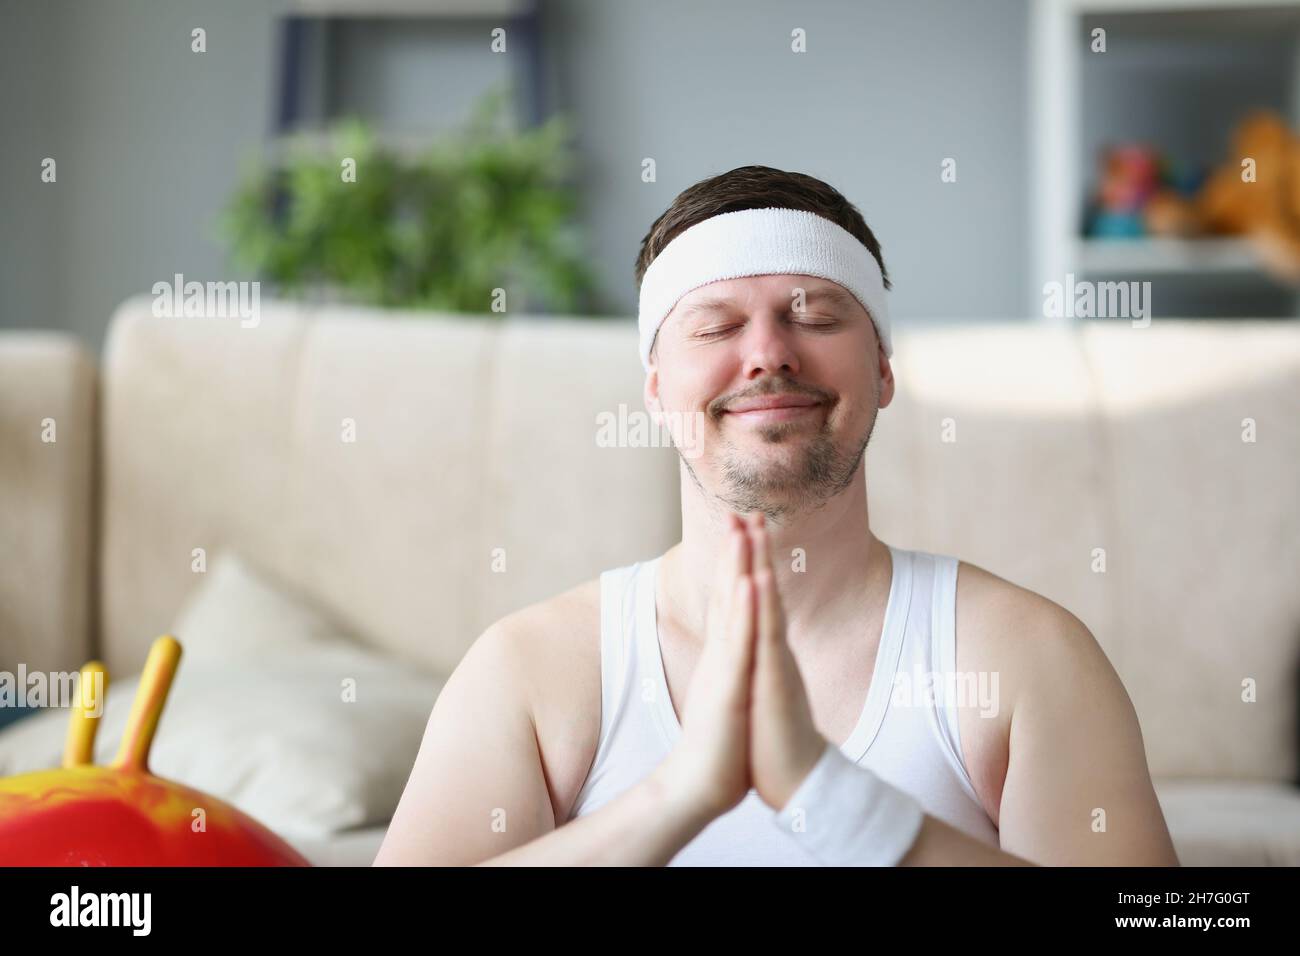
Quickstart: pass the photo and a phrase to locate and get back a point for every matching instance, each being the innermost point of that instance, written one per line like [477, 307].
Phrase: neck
[817, 557]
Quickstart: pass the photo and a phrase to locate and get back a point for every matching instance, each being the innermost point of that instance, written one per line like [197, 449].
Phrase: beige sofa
[476, 434]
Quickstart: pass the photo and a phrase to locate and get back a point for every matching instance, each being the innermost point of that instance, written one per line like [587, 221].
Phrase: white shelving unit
[1062, 165]
[1163, 256]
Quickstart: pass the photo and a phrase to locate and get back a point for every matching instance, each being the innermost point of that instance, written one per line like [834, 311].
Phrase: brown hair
[754, 187]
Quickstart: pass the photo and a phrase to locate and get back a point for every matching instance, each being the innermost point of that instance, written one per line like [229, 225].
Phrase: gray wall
[149, 137]
[28, 132]
[885, 91]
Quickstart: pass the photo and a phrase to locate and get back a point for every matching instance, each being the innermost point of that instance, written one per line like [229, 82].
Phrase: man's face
[787, 390]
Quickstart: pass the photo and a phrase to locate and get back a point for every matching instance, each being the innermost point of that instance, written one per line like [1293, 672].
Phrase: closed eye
[817, 323]
[804, 321]
[715, 333]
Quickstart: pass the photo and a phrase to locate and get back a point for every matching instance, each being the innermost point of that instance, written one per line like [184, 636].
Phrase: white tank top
[909, 739]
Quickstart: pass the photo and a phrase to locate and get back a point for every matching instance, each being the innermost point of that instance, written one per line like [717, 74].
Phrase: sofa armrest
[47, 431]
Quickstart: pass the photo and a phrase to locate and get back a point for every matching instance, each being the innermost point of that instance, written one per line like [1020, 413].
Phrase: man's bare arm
[643, 826]
[478, 792]
[938, 844]
[1077, 790]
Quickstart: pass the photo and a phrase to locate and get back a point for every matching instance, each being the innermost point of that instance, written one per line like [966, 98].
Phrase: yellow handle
[79, 748]
[155, 682]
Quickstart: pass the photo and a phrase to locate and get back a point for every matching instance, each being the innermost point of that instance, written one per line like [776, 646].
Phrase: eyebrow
[705, 305]
[835, 296]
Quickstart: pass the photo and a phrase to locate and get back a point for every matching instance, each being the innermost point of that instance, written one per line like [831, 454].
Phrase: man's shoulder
[1038, 648]
[563, 624]
[1007, 617]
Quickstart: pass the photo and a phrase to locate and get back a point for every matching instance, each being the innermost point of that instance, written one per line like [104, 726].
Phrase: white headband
[757, 242]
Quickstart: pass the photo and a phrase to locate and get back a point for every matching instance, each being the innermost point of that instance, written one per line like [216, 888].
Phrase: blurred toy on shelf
[1253, 194]
[1142, 192]
[1130, 176]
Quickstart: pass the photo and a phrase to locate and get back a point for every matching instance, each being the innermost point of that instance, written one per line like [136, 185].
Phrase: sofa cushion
[1232, 823]
[403, 528]
[259, 713]
[353, 848]
[1204, 540]
[47, 474]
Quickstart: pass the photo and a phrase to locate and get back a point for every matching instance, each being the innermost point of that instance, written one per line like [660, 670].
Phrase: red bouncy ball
[123, 815]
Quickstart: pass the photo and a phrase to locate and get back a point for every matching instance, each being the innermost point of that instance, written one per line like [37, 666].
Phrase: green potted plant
[438, 228]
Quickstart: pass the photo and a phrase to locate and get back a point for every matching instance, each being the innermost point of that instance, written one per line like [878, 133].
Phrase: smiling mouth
[774, 409]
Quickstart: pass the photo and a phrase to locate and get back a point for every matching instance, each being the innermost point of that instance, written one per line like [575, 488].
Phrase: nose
[767, 350]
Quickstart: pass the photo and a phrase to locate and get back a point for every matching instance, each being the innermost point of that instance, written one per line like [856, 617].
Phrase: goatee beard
[781, 492]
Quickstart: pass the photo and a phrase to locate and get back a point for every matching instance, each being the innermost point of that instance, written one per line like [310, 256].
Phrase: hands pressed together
[746, 722]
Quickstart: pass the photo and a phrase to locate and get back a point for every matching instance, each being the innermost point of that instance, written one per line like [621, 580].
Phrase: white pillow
[257, 715]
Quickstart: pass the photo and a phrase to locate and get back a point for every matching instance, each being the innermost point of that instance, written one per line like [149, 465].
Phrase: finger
[740, 638]
[741, 622]
[760, 543]
[770, 618]
[734, 546]
[746, 557]
[769, 614]
[728, 562]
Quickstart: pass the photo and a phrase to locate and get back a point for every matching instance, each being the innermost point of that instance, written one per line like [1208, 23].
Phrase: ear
[650, 391]
[886, 372]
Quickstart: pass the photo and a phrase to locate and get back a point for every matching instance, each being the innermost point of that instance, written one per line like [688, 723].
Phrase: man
[780, 629]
